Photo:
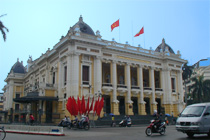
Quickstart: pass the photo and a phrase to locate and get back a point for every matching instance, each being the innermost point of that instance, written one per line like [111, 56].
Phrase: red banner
[115, 24]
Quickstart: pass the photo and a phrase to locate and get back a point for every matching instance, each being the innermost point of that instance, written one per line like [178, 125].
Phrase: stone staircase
[136, 120]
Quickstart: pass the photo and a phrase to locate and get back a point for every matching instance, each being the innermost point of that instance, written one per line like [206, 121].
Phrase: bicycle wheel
[2, 134]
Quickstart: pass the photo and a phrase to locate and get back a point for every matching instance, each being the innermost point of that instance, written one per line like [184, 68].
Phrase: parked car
[194, 119]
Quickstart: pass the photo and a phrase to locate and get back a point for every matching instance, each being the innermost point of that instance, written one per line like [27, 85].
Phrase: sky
[36, 25]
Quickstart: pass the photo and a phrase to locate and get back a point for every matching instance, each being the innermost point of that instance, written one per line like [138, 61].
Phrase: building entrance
[121, 100]
[107, 104]
[147, 106]
[135, 105]
[48, 111]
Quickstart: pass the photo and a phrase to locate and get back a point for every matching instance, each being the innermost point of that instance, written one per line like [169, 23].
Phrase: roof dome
[84, 28]
[18, 68]
[163, 47]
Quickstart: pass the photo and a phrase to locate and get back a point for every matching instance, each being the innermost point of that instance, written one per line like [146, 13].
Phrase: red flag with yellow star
[140, 32]
[115, 24]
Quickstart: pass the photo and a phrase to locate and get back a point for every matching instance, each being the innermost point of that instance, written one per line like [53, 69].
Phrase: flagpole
[119, 30]
[132, 32]
[144, 39]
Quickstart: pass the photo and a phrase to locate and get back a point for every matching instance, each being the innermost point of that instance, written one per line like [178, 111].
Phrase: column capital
[152, 67]
[98, 57]
[166, 69]
[114, 61]
[76, 53]
[140, 65]
[128, 63]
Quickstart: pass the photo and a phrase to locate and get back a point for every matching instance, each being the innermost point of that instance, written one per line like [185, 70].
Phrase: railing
[85, 82]
[49, 85]
[147, 88]
[107, 85]
[121, 86]
[158, 89]
[21, 111]
[134, 87]
[127, 47]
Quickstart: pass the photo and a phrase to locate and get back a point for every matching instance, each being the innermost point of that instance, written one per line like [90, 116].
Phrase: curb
[35, 130]
[34, 133]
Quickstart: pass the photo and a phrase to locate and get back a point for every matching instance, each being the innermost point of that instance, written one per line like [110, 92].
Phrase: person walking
[31, 117]
[113, 121]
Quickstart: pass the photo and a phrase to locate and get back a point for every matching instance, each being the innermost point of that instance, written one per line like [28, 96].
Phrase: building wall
[77, 50]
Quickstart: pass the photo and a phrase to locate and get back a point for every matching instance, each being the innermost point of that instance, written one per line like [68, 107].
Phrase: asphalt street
[109, 133]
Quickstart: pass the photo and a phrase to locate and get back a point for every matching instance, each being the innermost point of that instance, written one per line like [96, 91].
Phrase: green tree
[200, 89]
[3, 29]
[187, 72]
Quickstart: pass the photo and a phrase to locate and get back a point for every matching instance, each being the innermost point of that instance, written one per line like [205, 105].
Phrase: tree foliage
[200, 90]
[3, 29]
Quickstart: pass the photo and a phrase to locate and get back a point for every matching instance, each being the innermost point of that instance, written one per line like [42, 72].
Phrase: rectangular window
[106, 73]
[85, 75]
[53, 79]
[17, 96]
[173, 85]
[65, 75]
[146, 80]
[17, 106]
[133, 73]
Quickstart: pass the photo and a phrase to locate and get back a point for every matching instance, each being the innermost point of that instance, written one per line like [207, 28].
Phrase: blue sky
[36, 25]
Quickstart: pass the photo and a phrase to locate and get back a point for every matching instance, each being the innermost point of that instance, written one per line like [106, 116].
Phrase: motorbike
[85, 125]
[67, 124]
[152, 128]
[125, 123]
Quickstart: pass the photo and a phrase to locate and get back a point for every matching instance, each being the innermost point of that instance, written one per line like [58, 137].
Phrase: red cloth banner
[83, 105]
[115, 24]
[140, 32]
[91, 106]
[79, 105]
[100, 106]
[87, 106]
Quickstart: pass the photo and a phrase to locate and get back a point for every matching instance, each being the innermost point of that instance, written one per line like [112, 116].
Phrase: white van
[194, 119]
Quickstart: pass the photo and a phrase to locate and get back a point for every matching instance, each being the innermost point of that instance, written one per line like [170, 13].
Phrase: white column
[128, 72]
[168, 90]
[75, 75]
[163, 85]
[114, 80]
[180, 86]
[152, 84]
[60, 79]
[97, 75]
[68, 81]
[47, 75]
[10, 97]
[141, 85]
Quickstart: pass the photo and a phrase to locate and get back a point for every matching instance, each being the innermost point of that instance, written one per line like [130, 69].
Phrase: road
[111, 133]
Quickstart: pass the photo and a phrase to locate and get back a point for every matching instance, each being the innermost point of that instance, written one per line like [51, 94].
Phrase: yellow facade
[132, 80]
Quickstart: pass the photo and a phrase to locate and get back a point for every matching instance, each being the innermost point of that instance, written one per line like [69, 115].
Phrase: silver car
[194, 119]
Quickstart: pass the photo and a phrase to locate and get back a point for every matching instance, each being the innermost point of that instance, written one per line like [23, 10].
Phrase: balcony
[107, 87]
[135, 89]
[121, 88]
[47, 86]
[147, 90]
[158, 91]
[20, 111]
